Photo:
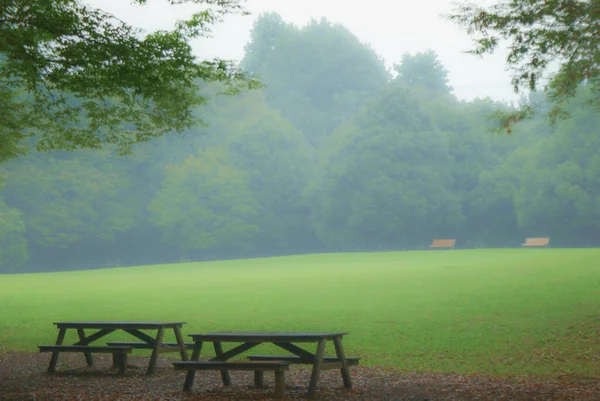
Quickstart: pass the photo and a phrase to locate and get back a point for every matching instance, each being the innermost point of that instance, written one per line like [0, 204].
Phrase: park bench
[536, 242]
[119, 353]
[442, 244]
[258, 374]
[278, 367]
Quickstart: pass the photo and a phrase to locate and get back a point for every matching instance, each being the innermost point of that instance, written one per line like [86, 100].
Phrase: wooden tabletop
[268, 336]
[117, 325]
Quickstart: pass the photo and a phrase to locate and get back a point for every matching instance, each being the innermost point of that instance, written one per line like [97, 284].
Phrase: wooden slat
[331, 365]
[83, 348]
[140, 345]
[118, 325]
[240, 336]
[351, 361]
[233, 365]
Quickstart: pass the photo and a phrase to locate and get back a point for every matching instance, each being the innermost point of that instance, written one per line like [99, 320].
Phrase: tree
[384, 178]
[491, 205]
[276, 157]
[73, 76]
[560, 190]
[423, 69]
[267, 30]
[317, 75]
[13, 252]
[279, 162]
[205, 204]
[68, 198]
[542, 33]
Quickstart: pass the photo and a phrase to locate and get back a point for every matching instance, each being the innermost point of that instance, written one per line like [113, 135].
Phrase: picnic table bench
[144, 345]
[120, 350]
[278, 367]
[293, 359]
[260, 363]
[119, 353]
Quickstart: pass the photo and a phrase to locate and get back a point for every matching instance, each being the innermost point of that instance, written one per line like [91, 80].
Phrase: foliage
[317, 75]
[405, 162]
[204, 203]
[13, 251]
[541, 33]
[425, 70]
[67, 199]
[383, 179]
[74, 76]
[277, 158]
[563, 177]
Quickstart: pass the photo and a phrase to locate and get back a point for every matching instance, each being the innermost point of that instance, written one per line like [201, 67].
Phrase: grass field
[499, 312]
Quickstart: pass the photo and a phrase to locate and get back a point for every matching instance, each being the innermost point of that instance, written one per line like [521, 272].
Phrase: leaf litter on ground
[23, 377]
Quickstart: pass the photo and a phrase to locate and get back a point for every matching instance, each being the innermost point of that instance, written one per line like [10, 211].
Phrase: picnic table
[155, 343]
[285, 340]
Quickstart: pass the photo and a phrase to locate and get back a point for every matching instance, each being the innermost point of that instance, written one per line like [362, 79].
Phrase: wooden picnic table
[155, 343]
[284, 340]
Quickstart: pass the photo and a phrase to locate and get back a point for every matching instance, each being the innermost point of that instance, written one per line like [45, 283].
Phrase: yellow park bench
[442, 244]
[536, 242]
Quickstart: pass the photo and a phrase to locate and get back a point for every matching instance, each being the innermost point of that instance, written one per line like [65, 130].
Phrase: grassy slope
[508, 311]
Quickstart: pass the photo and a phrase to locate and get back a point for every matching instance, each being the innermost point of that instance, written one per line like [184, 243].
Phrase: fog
[372, 133]
[388, 26]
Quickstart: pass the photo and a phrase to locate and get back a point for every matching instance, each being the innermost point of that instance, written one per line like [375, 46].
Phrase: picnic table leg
[179, 338]
[189, 378]
[259, 379]
[88, 355]
[155, 351]
[339, 350]
[224, 373]
[54, 358]
[279, 384]
[122, 362]
[314, 377]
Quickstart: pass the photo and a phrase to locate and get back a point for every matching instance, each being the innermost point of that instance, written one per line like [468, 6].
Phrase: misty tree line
[336, 154]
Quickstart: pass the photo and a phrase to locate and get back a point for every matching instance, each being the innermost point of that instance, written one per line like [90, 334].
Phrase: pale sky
[391, 27]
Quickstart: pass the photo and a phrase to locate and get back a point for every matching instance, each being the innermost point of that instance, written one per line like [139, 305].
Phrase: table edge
[258, 335]
[91, 324]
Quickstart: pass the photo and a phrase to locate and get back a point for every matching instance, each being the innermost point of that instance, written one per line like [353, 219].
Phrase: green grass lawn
[501, 312]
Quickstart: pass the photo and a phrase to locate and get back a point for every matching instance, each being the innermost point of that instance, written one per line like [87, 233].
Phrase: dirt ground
[23, 377]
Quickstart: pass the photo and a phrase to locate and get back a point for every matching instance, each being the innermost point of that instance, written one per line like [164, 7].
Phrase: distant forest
[337, 153]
